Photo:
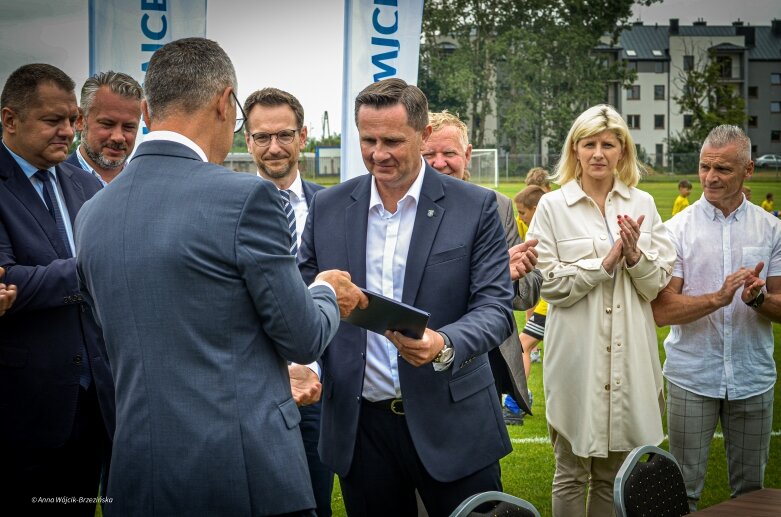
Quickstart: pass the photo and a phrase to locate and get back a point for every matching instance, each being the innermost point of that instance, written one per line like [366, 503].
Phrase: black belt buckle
[397, 407]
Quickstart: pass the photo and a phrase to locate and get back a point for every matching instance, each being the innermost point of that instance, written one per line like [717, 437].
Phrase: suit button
[608, 348]
[609, 310]
[607, 387]
[76, 359]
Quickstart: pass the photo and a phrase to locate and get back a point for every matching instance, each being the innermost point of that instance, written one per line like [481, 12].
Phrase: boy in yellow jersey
[682, 201]
[767, 204]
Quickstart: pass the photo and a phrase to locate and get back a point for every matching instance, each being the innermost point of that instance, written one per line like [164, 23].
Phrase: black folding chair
[653, 487]
[499, 505]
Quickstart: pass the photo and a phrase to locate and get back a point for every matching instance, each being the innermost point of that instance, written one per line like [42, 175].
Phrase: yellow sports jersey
[767, 205]
[541, 308]
[680, 203]
[522, 228]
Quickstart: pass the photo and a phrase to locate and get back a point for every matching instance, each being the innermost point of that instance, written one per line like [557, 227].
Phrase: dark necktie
[50, 200]
[51, 204]
[291, 220]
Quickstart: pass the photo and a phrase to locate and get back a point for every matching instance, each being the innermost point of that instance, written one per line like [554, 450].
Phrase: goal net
[484, 167]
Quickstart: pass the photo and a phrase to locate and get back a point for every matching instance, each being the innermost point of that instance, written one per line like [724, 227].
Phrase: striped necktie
[291, 220]
[51, 204]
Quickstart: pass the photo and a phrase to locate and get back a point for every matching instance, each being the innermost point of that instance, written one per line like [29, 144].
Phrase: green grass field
[527, 472]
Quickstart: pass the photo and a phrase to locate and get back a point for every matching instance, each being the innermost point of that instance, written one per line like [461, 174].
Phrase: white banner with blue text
[381, 40]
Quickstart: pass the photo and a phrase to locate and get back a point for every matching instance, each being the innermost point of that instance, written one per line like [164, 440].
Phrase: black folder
[385, 313]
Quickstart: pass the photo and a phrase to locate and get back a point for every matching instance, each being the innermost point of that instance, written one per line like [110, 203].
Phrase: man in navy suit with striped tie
[275, 134]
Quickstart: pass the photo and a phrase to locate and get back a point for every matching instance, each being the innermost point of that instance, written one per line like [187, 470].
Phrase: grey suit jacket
[201, 306]
[507, 360]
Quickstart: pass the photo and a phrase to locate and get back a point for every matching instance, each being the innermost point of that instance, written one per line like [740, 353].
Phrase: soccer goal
[484, 167]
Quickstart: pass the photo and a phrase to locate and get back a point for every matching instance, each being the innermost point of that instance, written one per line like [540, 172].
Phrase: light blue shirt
[87, 167]
[29, 170]
[388, 237]
[729, 352]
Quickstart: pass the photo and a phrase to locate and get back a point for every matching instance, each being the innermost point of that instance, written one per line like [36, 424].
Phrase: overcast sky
[295, 45]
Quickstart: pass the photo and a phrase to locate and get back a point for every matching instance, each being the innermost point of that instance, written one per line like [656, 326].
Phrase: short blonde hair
[444, 118]
[592, 122]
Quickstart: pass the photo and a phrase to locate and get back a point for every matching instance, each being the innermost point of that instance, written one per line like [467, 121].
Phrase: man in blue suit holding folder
[401, 414]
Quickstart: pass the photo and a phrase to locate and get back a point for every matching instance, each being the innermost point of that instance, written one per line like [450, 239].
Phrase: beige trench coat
[603, 378]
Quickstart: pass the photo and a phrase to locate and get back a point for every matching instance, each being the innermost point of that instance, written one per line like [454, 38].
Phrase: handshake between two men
[305, 383]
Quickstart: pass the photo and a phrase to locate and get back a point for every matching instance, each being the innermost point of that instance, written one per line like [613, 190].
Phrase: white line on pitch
[545, 440]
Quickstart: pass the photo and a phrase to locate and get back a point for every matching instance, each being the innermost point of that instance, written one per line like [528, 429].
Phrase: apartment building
[750, 58]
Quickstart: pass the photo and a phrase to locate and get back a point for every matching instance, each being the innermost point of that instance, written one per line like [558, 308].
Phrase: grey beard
[101, 161]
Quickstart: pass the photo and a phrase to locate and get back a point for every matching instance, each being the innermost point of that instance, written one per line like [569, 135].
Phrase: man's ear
[468, 154]
[426, 132]
[80, 120]
[145, 114]
[9, 118]
[224, 102]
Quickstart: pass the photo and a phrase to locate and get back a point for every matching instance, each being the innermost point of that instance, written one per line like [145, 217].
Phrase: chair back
[652, 487]
[499, 504]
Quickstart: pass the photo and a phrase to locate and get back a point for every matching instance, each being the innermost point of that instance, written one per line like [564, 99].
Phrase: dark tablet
[387, 314]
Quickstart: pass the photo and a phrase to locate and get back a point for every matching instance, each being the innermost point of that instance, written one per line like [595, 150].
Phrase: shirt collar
[412, 193]
[573, 192]
[179, 138]
[87, 167]
[714, 213]
[296, 188]
[28, 169]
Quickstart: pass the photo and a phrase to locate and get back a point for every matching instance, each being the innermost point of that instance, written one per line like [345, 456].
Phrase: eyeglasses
[285, 136]
[239, 120]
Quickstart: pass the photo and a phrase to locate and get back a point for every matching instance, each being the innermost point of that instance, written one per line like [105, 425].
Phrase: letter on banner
[123, 35]
[381, 40]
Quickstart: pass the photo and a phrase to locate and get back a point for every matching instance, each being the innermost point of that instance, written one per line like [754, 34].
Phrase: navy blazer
[72, 159]
[457, 269]
[201, 305]
[42, 334]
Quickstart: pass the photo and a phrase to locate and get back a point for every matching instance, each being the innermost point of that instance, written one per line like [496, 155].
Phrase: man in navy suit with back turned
[189, 271]
[401, 414]
[275, 134]
[56, 391]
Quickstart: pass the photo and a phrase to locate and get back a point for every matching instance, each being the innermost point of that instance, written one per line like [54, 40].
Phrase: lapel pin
[431, 213]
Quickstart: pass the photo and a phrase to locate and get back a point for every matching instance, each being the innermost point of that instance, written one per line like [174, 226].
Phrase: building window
[753, 92]
[659, 155]
[775, 135]
[659, 92]
[752, 121]
[633, 121]
[631, 65]
[688, 63]
[775, 107]
[658, 121]
[687, 121]
[659, 67]
[725, 64]
[633, 93]
[775, 78]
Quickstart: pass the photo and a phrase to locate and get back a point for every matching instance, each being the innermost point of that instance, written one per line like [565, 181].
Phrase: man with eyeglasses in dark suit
[275, 134]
